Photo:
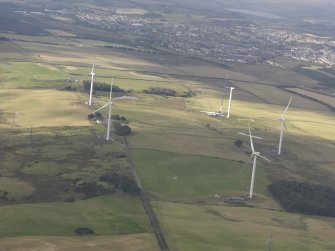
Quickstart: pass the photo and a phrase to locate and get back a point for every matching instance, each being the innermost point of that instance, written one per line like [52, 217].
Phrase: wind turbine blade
[115, 105]
[102, 107]
[263, 158]
[111, 92]
[285, 125]
[246, 163]
[92, 71]
[287, 107]
[251, 143]
[241, 133]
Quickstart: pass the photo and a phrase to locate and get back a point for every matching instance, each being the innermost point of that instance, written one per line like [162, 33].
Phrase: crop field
[50, 150]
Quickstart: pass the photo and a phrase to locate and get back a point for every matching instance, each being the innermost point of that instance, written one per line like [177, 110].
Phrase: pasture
[43, 108]
[206, 227]
[128, 242]
[106, 215]
[29, 75]
[180, 177]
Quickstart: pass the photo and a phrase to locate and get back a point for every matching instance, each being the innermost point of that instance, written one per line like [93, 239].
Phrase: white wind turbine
[230, 96]
[283, 124]
[110, 103]
[91, 89]
[254, 154]
[223, 94]
[229, 103]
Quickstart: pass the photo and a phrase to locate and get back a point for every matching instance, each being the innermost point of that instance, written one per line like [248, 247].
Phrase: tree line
[306, 198]
[168, 92]
[101, 86]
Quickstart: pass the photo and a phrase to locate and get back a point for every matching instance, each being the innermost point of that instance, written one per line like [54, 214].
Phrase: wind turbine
[229, 103]
[91, 89]
[110, 103]
[254, 155]
[283, 124]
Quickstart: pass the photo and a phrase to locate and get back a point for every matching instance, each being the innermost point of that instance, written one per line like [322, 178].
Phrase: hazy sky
[316, 8]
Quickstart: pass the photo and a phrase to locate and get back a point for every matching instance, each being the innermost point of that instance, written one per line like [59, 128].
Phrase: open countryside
[122, 141]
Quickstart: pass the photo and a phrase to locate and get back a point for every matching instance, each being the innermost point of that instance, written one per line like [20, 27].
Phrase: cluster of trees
[91, 189]
[120, 125]
[188, 94]
[95, 116]
[122, 130]
[119, 118]
[168, 92]
[122, 183]
[98, 115]
[83, 231]
[70, 88]
[160, 91]
[100, 86]
[304, 198]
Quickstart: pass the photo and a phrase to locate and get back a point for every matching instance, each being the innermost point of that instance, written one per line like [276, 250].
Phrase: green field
[29, 75]
[105, 215]
[193, 228]
[128, 242]
[181, 155]
[187, 177]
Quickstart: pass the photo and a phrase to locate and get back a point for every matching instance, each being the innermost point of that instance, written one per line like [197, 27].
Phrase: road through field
[146, 202]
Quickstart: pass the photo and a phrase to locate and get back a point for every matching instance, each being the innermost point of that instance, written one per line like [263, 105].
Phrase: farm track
[146, 202]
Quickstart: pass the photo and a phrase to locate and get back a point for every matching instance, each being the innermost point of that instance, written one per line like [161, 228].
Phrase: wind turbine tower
[254, 155]
[110, 104]
[283, 124]
[229, 103]
[91, 89]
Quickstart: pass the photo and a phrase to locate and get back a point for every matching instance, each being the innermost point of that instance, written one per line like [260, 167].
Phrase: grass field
[194, 227]
[129, 242]
[29, 75]
[323, 98]
[186, 177]
[38, 108]
[105, 215]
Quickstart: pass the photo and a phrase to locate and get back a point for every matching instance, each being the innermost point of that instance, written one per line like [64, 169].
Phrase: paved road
[146, 202]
